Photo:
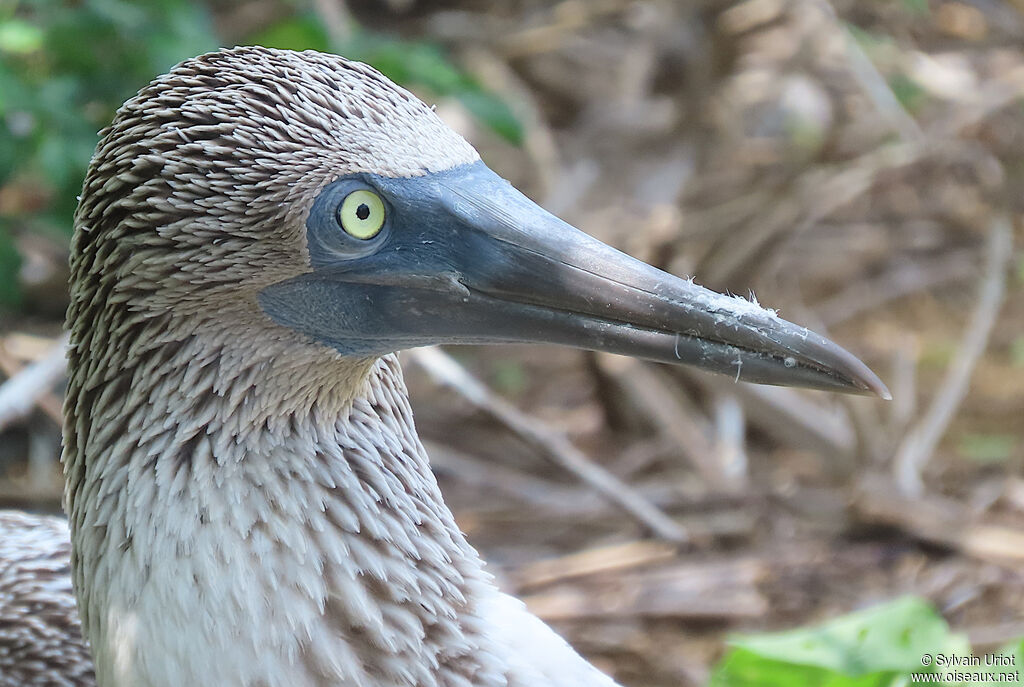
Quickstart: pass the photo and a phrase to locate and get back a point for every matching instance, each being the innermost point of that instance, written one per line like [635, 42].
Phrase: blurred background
[857, 165]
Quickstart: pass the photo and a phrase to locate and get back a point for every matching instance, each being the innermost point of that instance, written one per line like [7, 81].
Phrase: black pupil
[363, 211]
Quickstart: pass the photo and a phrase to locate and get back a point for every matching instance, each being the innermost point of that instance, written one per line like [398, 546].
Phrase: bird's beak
[466, 258]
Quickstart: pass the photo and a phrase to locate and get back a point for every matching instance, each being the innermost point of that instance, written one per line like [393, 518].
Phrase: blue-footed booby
[260, 231]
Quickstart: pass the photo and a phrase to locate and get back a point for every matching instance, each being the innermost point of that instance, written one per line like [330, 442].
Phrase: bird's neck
[219, 542]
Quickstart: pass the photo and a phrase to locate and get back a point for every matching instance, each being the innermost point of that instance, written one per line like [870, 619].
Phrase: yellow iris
[362, 214]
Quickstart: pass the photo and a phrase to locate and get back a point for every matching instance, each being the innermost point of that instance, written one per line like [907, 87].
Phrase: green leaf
[867, 40]
[19, 37]
[510, 377]
[183, 31]
[907, 91]
[742, 668]
[425, 64]
[870, 647]
[987, 448]
[495, 113]
[10, 263]
[1017, 352]
[409, 63]
[917, 7]
[13, 93]
[302, 32]
[1015, 653]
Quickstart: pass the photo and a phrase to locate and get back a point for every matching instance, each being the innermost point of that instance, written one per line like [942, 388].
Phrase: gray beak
[465, 258]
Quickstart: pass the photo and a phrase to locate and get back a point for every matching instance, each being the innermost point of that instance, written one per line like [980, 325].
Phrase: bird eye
[361, 214]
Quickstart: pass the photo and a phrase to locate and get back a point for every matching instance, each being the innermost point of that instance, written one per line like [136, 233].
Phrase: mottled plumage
[41, 641]
[248, 501]
[248, 507]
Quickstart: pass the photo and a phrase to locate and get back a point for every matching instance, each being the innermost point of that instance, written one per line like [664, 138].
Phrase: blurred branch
[903, 279]
[824, 189]
[795, 418]
[539, 141]
[1007, 18]
[566, 20]
[730, 436]
[475, 472]
[336, 19]
[1004, 90]
[446, 371]
[815, 195]
[20, 394]
[660, 405]
[722, 589]
[920, 442]
[604, 559]
[937, 520]
[903, 408]
[874, 84]
[989, 638]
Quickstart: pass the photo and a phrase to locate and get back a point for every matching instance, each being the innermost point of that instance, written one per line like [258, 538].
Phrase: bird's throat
[313, 550]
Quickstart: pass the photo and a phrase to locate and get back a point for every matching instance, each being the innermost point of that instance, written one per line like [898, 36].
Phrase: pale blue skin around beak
[464, 258]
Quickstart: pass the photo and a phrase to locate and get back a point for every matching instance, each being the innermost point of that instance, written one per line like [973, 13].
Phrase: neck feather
[221, 538]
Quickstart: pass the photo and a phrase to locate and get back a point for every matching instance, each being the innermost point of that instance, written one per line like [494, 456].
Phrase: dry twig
[724, 589]
[660, 404]
[874, 84]
[920, 442]
[794, 417]
[904, 279]
[20, 394]
[605, 559]
[937, 520]
[446, 371]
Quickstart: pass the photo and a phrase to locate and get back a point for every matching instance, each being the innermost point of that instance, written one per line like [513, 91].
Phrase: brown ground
[870, 189]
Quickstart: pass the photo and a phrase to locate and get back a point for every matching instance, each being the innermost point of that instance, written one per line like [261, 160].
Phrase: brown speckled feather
[247, 506]
[41, 642]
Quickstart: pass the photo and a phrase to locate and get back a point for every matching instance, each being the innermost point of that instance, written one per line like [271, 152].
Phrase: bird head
[306, 195]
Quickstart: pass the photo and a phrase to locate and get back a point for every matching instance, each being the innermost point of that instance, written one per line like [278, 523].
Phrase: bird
[259, 233]
[41, 643]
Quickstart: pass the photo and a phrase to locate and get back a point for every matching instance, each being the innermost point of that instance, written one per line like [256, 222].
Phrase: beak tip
[871, 385]
[881, 390]
[855, 376]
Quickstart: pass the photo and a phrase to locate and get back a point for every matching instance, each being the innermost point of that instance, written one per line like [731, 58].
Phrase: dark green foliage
[10, 261]
[413, 63]
[890, 645]
[66, 65]
[64, 68]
